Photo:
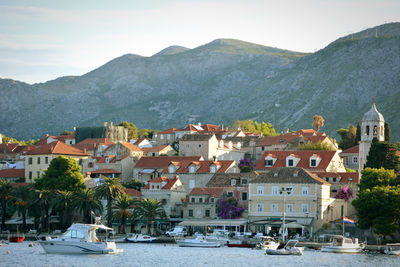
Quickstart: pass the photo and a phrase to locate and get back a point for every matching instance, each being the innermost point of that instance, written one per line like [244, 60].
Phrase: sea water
[161, 255]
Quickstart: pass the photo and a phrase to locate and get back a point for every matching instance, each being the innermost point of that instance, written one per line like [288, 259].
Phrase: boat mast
[343, 225]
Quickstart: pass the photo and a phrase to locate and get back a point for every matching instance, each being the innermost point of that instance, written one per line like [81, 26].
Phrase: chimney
[105, 124]
[214, 158]
[84, 150]
[47, 135]
[111, 124]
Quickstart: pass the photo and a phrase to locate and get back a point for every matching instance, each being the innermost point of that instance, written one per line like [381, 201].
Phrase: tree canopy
[382, 155]
[348, 137]
[318, 122]
[316, 146]
[132, 130]
[63, 174]
[254, 127]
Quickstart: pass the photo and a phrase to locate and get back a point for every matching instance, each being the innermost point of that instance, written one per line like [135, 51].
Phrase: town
[199, 178]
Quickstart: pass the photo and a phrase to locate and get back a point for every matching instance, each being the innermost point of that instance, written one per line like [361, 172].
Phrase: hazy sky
[43, 40]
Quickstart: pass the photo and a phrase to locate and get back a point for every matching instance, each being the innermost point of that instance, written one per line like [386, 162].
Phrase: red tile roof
[105, 171]
[170, 182]
[61, 138]
[304, 155]
[352, 150]
[162, 162]
[168, 131]
[212, 191]
[132, 192]
[12, 173]
[274, 140]
[6, 147]
[345, 177]
[205, 166]
[58, 148]
[112, 159]
[154, 149]
[131, 147]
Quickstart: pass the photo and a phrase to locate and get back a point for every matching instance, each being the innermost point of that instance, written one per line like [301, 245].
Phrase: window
[262, 148]
[207, 213]
[37, 174]
[290, 190]
[260, 207]
[230, 194]
[367, 130]
[334, 190]
[168, 136]
[289, 208]
[200, 200]
[375, 130]
[290, 163]
[304, 191]
[191, 184]
[163, 201]
[355, 159]
[275, 190]
[46, 160]
[304, 208]
[90, 165]
[192, 169]
[244, 181]
[162, 137]
[212, 169]
[260, 190]
[153, 154]
[313, 163]
[80, 161]
[70, 142]
[244, 195]
[269, 163]
[30, 161]
[190, 213]
[233, 182]
[199, 145]
[30, 175]
[38, 160]
[192, 200]
[327, 179]
[274, 207]
[212, 200]
[334, 179]
[171, 169]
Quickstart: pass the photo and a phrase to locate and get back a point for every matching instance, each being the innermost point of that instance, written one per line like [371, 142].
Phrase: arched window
[375, 132]
[367, 130]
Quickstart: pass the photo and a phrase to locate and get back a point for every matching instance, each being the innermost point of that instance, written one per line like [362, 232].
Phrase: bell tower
[372, 126]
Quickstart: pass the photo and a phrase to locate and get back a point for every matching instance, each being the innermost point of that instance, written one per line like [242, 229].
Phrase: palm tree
[124, 202]
[150, 209]
[109, 189]
[63, 202]
[318, 122]
[43, 200]
[5, 197]
[22, 196]
[85, 202]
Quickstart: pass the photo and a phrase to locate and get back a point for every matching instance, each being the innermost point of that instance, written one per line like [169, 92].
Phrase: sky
[41, 40]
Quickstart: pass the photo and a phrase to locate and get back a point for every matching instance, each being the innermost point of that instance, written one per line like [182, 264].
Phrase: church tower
[372, 125]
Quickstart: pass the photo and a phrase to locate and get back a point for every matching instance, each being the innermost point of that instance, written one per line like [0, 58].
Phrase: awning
[147, 171]
[233, 222]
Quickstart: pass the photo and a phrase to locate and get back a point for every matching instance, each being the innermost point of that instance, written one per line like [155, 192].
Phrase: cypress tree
[382, 155]
[387, 133]
[358, 133]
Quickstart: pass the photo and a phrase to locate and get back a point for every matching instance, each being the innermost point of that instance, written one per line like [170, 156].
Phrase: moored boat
[242, 245]
[139, 238]
[16, 239]
[80, 239]
[341, 244]
[199, 241]
[289, 249]
[268, 242]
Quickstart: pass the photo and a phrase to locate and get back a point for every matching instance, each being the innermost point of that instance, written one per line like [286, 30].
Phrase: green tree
[63, 174]
[133, 183]
[44, 201]
[149, 210]
[358, 133]
[63, 202]
[109, 189]
[123, 205]
[85, 202]
[65, 132]
[144, 133]
[5, 197]
[372, 177]
[23, 195]
[132, 130]
[316, 146]
[388, 138]
[318, 122]
[382, 155]
[348, 137]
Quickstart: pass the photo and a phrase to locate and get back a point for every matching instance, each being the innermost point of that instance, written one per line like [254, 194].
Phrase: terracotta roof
[309, 132]
[212, 191]
[224, 179]
[7, 147]
[61, 138]
[12, 173]
[169, 185]
[102, 171]
[205, 166]
[168, 131]
[345, 177]
[58, 148]
[98, 141]
[289, 175]
[352, 150]
[131, 147]
[162, 162]
[304, 155]
[280, 139]
[154, 149]
[133, 192]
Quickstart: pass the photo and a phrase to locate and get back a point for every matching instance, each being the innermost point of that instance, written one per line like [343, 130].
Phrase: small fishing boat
[199, 241]
[289, 249]
[16, 238]
[268, 242]
[80, 239]
[341, 244]
[139, 238]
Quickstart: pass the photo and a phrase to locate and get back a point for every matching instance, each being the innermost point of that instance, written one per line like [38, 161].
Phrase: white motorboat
[219, 237]
[80, 239]
[268, 242]
[199, 241]
[139, 238]
[390, 251]
[289, 249]
[341, 244]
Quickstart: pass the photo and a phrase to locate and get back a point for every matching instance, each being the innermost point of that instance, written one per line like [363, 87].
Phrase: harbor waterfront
[172, 255]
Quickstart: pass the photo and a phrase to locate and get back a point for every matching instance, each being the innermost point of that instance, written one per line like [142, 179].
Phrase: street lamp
[282, 192]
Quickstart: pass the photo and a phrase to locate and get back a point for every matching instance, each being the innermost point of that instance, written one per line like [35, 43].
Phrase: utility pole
[282, 192]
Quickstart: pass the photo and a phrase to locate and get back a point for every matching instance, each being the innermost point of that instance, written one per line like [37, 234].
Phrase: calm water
[172, 255]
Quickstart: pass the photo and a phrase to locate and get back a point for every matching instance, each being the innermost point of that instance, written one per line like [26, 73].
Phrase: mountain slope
[217, 83]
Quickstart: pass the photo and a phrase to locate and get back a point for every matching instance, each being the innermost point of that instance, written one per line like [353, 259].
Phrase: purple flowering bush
[245, 165]
[228, 208]
[345, 193]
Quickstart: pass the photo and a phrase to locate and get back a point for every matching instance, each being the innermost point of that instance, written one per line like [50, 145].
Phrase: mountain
[217, 83]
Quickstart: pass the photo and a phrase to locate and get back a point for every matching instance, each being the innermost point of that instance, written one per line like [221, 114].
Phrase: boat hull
[129, 240]
[295, 251]
[198, 245]
[240, 245]
[16, 239]
[340, 249]
[73, 247]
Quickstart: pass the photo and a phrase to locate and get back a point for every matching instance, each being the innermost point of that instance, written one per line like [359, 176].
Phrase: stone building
[114, 133]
